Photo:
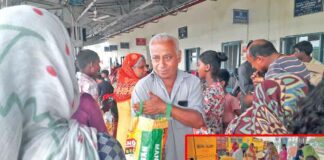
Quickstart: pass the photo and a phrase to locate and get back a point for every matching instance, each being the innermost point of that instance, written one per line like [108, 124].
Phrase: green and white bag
[148, 137]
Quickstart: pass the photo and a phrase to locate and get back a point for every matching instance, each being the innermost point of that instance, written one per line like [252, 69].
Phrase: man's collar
[85, 75]
[180, 73]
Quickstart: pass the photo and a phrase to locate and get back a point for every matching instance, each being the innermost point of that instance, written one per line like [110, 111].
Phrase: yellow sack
[147, 138]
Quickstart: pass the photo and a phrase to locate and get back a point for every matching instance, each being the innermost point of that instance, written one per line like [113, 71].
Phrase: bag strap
[168, 110]
[140, 110]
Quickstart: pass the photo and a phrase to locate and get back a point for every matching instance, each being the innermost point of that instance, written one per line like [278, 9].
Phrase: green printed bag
[148, 136]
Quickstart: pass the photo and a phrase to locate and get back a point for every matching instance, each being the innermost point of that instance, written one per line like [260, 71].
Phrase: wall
[210, 24]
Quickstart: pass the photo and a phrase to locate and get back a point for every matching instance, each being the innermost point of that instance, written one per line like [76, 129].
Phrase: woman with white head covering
[38, 89]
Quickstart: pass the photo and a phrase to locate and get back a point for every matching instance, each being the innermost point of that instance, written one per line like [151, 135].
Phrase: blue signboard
[303, 7]
[240, 16]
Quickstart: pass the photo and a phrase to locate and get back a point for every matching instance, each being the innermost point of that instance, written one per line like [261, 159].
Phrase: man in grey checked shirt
[168, 85]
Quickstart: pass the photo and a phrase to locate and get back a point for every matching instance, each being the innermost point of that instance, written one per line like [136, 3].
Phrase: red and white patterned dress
[214, 100]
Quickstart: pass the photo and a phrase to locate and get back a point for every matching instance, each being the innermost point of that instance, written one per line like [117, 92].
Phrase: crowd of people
[246, 151]
[56, 112]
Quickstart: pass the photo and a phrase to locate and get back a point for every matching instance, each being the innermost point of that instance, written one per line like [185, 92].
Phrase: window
[317, 40]
[233, 52]
[192, 56]
[287, 45]
[122, 59]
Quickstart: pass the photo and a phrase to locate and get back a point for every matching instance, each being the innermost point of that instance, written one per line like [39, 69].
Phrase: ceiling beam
[122, 9]
[86, 10]
[44, 2]
[172, 11]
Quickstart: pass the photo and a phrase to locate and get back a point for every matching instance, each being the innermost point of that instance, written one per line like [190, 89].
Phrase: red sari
[126, 78]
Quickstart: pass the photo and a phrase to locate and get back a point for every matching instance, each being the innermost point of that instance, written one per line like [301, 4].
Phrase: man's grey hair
[165, 37]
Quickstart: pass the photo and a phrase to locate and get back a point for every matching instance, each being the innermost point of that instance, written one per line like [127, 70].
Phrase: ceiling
[104, 19]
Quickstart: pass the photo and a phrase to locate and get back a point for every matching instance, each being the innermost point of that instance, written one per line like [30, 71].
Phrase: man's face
[94, 67]
[104, 75]
[259, 62]
[165, 58]
[141, 69]
[299, 54]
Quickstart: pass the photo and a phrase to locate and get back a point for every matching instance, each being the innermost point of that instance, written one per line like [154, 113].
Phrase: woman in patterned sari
[39, 92]
[274, 104]
[132, 69]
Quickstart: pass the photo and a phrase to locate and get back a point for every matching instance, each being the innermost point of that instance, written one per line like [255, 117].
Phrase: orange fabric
[126, 78]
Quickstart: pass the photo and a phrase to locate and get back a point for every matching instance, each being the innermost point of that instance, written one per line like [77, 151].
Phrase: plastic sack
[147, 138]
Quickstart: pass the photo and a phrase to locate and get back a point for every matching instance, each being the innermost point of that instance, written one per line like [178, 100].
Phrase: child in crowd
[104, 87]
[232, 105]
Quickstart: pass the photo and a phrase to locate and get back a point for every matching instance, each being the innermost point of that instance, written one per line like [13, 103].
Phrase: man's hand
[248, 99]
[186, 116]
[152, 106]
[256, 78]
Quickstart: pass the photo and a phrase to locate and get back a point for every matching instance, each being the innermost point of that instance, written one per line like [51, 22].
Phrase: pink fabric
[231, 104]
[283, 155]
[89, 113]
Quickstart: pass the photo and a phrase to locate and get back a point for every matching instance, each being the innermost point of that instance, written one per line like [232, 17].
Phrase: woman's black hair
[301, 145]
[223, 75]
[309, 118]
[214, 59]
[284, 146]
